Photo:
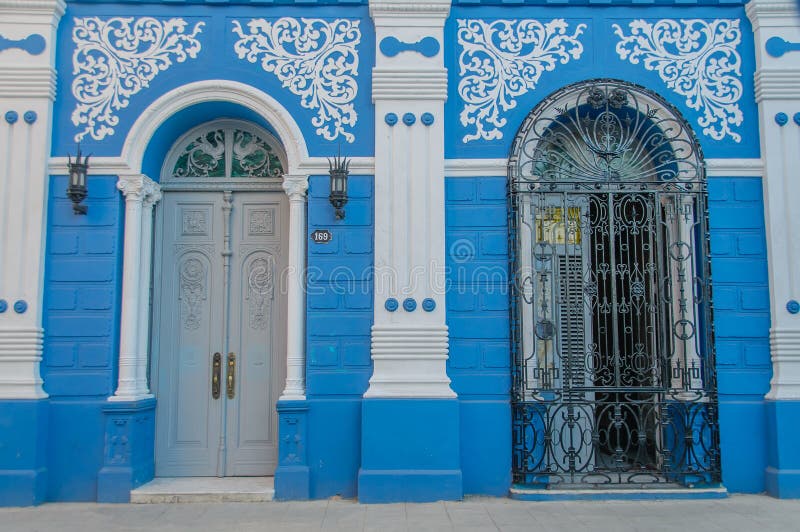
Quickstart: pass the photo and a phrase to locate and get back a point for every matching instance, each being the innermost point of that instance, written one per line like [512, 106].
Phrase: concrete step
[204, 489]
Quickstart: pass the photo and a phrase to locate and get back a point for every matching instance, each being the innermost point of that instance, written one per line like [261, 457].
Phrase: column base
[292, 476]
[23, 445]
[782, 475]
[129, 456]
[410, 451]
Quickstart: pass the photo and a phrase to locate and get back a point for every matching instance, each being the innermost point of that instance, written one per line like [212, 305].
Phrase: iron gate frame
[661, 157]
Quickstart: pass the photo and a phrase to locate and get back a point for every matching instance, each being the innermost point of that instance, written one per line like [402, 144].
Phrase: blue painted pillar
[23, 451]
[292, 476]
[410, 451]
[783, 448]
[129, 449]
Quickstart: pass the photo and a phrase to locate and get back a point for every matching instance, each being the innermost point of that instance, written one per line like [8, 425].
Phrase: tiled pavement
[738, 512]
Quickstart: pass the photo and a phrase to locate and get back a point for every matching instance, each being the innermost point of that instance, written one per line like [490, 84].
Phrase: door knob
[231, 377]
[216, 375]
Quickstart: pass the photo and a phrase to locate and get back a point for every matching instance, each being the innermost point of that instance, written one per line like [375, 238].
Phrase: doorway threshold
[162, 490]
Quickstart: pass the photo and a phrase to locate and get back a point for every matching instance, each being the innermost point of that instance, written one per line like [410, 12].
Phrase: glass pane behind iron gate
[614, 377]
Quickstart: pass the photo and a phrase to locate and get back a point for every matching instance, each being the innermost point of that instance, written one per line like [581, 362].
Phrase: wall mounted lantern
[76, 190]
[339, 170]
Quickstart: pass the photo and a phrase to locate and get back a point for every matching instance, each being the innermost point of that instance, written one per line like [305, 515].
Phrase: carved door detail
[215, 291]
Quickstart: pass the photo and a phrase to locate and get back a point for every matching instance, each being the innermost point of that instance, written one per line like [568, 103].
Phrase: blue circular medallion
[793, 306]
[409, 119]
[781, 119]
[12, 117]
[3, 305]
[796, 118]
[409, 304]
[30, 117]
[427, 118]
[20, 306]
[391, 304]
[390, 119]
[428, 304]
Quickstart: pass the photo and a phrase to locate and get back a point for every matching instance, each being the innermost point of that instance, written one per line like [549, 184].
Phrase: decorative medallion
[260, 282]
[503, 59]
[194, 223]
[315, 59]
[697, 59]
[117, 58]
[192, 292]
[261, 223]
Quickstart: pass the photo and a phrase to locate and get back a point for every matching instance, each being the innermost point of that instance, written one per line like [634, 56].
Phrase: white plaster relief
[697, 59]
[503, 59]
[315, 59]
[117, 58]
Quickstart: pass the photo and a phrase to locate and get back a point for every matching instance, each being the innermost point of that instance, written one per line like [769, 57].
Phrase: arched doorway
[219, 303]
[614, 374]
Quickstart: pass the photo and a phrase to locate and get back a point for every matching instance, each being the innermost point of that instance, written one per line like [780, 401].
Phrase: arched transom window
[225, 149]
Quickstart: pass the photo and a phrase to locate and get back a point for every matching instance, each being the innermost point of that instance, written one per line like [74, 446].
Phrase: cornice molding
[27, 82]
[777, 84]
[57, 7]
[436, 9]
[772, 13]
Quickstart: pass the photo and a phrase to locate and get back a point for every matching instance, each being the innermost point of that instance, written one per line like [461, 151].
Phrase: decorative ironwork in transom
[612, 330]
[227, 150]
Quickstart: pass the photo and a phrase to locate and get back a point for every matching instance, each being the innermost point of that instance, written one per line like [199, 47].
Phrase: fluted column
[135, 189]
[296, 187]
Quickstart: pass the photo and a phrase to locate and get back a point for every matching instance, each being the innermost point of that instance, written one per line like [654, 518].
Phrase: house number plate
[321, 236]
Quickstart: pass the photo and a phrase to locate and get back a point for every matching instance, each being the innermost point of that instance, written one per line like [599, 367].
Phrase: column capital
[153, 194]
[405, 9]
[137, 187]
[295, 186]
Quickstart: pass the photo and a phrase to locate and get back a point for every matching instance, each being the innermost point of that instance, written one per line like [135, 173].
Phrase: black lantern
[339, 170]
[76, 190]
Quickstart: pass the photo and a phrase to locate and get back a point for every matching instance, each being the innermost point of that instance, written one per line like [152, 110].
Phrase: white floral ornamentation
[503, 59]
[315, 59]
[116, 58]
[697, 59]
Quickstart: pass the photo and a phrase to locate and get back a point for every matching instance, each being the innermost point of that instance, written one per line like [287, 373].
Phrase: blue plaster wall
[477, 317]
[741, 320]
[81, 319]
[339, 318]
[216, 60]
[599, 60]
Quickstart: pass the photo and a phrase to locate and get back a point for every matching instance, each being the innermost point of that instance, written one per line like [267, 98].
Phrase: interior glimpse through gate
[614, 373]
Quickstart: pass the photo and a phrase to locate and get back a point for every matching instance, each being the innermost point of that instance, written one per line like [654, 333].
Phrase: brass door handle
[216, 375]
[231, 377]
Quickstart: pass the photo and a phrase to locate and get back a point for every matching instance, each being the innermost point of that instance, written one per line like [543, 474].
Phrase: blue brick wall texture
[82, 280]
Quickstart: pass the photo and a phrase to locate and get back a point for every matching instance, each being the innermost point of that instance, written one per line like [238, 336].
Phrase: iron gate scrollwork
[612, 331]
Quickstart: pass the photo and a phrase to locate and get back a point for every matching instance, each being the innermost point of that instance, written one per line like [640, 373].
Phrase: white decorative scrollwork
[116, 58]
[192, 292]
[315, 59]
[503, 59]
[260, 289]
[697, 59]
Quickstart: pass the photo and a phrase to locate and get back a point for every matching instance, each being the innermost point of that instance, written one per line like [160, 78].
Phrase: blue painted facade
[77, 446]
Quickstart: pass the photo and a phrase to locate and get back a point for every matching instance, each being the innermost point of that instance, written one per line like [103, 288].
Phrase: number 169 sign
[321, 236]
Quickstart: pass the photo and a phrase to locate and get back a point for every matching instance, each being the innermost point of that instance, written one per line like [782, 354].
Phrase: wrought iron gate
[612, 331]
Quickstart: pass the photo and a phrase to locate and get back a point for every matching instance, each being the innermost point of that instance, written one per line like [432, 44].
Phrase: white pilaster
[296, 187]
[409, 346]
[146, 270]
[135, 189]
[777, 83]
[27, 90]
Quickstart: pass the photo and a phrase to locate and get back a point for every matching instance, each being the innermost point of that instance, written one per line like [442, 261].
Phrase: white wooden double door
[219, 326]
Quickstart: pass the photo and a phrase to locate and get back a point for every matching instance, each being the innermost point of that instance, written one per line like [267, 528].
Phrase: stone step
[204, 489]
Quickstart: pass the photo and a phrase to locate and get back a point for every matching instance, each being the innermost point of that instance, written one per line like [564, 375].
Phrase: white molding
[777, 84]
[23, 82]
[409, 84]
[33, 6]
[498, 167]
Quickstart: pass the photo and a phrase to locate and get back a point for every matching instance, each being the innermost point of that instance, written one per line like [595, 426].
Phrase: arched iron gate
[612, 331]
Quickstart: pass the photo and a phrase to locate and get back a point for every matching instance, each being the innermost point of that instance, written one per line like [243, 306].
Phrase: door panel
[197, 435]
[190, 301]
[255, 334]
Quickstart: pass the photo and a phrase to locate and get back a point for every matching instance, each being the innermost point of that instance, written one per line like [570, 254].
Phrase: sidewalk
[739, 512]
